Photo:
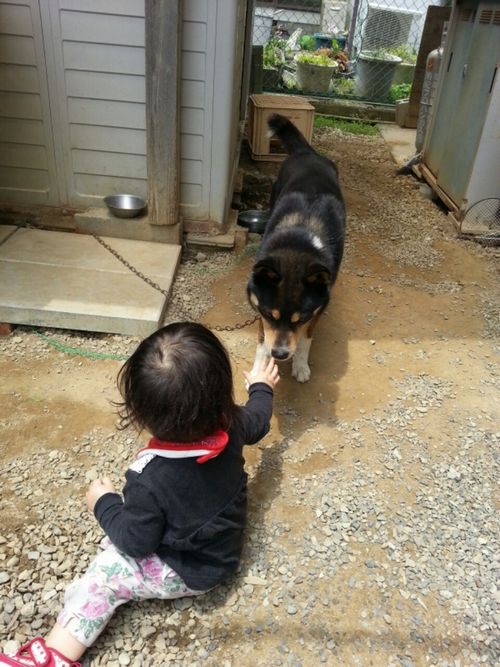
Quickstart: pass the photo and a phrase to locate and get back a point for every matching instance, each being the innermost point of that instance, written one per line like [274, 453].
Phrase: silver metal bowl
[125, 206]
[254, 220]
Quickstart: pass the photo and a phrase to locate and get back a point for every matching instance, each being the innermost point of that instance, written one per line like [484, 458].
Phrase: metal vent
[496, 18]
[385, 27]
[485, 16]
[481, 222]
[468, 14]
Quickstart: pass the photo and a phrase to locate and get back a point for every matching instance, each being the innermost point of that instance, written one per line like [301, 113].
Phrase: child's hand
[267, 373]
[97, 489]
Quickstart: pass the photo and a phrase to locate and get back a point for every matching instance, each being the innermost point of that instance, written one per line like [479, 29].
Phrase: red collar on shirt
[205, 449]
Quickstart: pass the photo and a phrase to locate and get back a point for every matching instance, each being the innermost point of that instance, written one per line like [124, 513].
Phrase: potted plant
[406, 69]
[307, 43]
[315, 70]
[374, 73]
[273, 59]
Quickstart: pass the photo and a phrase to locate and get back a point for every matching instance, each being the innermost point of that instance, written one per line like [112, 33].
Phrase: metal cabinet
[467, 99]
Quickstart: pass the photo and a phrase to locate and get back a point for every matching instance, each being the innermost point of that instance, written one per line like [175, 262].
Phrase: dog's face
[288, 293]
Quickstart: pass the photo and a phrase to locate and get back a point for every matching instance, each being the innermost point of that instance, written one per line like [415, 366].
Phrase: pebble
[367, 504]
[146, 631]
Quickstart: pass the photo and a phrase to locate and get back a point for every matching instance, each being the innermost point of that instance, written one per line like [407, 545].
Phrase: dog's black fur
[300, 252]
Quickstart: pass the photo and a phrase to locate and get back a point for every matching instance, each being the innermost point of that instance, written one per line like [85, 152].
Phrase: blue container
[323, 40]
[341, 41]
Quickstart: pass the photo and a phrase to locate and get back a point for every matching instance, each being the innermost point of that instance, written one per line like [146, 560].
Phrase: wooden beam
[432, 181]
[163, 61]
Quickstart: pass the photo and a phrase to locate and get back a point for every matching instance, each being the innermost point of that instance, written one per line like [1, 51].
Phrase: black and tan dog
[300, 253]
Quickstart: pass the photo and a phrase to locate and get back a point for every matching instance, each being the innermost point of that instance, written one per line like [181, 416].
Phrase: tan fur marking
[312, 324]
[292, 219]
[275, 313]
[295, 317]
[316, 226]
[289, 220]
[270, 335]
[260, 335]
[254, 300]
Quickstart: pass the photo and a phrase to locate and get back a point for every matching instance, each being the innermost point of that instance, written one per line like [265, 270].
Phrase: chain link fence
[355, 49]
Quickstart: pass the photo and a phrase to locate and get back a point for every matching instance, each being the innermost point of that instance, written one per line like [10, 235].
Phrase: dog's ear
[318, 275]
[266, 271]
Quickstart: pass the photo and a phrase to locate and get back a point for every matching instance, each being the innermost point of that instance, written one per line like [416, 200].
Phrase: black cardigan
[191, 515]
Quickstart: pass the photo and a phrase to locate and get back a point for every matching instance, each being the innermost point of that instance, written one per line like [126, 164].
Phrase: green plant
[335, 46]
[274, 53]
[319, 59]
[399, 91]
[405, 52]
[344, 86]
[307, 43]
[350, 126]
[382, 54]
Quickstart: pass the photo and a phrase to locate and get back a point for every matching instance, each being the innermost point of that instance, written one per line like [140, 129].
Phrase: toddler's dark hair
[178, 384]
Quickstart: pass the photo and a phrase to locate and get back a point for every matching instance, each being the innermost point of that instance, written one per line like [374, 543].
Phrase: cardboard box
[298, 110]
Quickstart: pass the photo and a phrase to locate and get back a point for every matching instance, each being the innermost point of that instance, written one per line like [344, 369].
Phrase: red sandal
[36, 654]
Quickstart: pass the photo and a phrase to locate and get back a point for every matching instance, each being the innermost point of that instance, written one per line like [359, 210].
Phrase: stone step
[60, 279]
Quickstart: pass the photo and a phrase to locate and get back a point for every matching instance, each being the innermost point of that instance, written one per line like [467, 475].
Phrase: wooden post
[163, 61]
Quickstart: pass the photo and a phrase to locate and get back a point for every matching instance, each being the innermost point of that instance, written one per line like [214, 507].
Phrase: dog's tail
[291, 138]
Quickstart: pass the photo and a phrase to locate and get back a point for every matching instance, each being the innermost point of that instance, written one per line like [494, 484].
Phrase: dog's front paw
[300, 370]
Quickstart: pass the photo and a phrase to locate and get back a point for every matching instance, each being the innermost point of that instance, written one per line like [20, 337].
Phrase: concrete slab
[100, 221]
[401, 141]
[6, 231]
[58, 279]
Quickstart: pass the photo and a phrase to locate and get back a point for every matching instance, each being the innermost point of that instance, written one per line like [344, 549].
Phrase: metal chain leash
[151, 283]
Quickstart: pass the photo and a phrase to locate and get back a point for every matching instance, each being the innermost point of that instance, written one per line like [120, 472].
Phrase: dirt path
[372, 529]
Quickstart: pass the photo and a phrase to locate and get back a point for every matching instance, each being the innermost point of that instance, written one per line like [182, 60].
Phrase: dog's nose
[280, 353]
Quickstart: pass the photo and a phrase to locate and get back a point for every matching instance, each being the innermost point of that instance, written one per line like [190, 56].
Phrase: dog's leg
[300, 360]
[262, 352]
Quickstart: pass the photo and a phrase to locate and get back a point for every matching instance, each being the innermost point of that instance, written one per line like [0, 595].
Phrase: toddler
[178, 530]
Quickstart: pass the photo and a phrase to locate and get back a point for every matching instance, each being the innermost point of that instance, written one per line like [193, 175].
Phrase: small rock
[454, 474]
[146, 631]
[11, 647]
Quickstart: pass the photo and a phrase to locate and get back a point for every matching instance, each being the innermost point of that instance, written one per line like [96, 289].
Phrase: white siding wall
[196, 108]
[92, 141]
[97, 52]
[27, 164]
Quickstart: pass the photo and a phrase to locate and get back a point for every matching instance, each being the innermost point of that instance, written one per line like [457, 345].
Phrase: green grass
[351, 126]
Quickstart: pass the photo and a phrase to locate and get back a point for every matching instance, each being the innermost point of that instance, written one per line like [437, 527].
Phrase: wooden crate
[298, 110]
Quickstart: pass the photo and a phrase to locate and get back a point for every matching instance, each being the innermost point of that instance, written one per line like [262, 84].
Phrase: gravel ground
[373, 522]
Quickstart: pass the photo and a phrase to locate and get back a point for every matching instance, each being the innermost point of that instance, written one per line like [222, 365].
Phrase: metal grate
[482, 221]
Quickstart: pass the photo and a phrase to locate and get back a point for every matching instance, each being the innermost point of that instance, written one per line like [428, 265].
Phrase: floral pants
[112, 579]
